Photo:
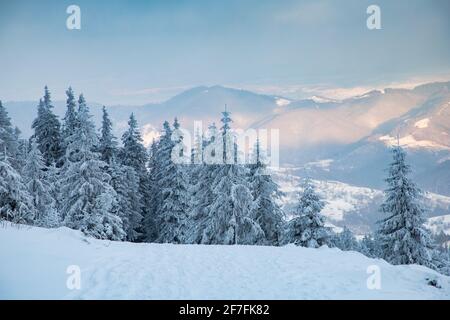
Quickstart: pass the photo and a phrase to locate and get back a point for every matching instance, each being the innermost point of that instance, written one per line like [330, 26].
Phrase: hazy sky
[132, 52]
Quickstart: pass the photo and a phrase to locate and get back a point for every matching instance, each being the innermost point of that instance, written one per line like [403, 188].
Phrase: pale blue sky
[132, 52]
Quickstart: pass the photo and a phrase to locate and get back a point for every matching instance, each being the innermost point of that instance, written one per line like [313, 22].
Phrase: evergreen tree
[201, 192]
[307, 228]
[159, 167]
[223, 214]
[174, 205]
[8, 137]
[267, 212]
[38, 188]
[108, 143]
[15, 201]
[70, 118]
[47, 131]
[346, 241]
[89, 201]
[404, 240]
[133, 154]
[369, 246]
[125, 182]
[150, 228]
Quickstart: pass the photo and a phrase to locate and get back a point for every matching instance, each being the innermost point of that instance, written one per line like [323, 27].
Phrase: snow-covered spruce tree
[267, 212]
[8, 137]
[346, 240]
[133, 154]
[108, 142]
[201, 193]
[227, 215]
[88, 200]
[307, 228]
[125, 182]
[160, 157]
[15, 202]
[70, 118]
[47, 131]
[404, 240]
[150, 227]
[38, 188]
[369, 246]
[174, 193]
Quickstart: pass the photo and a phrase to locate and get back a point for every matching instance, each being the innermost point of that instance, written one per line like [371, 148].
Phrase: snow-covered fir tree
[150, 228]
[8, 138]
[133, 154]
[370, 246]
[346, 240]
[307, 228]
[34, 174]
[125, 182]
[174, 193]
[226, 215]
[88, 200]
[70, 118]
[404, 239]
[266, 193]
[201, 192]
[15, 202]
[158, 164]
[108, 142]
[47, 131]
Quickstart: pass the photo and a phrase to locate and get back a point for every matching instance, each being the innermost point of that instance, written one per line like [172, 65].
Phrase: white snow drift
[34, 262]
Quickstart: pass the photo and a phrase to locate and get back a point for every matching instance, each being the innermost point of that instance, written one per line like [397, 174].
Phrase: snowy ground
[34, 263]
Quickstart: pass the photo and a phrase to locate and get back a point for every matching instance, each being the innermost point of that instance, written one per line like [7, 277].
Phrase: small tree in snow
[307, 228]
[370, 247]
[346, 240]
[404, 240]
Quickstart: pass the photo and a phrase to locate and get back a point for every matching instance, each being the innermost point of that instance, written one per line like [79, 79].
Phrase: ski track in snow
[34, 262]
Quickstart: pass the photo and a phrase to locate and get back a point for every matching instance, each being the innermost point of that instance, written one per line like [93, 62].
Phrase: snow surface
[34, 263]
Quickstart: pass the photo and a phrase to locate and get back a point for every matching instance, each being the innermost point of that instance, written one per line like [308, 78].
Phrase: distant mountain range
[344, 140]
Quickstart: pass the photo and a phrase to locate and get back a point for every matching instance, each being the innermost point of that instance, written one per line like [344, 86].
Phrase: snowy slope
[34, 263]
